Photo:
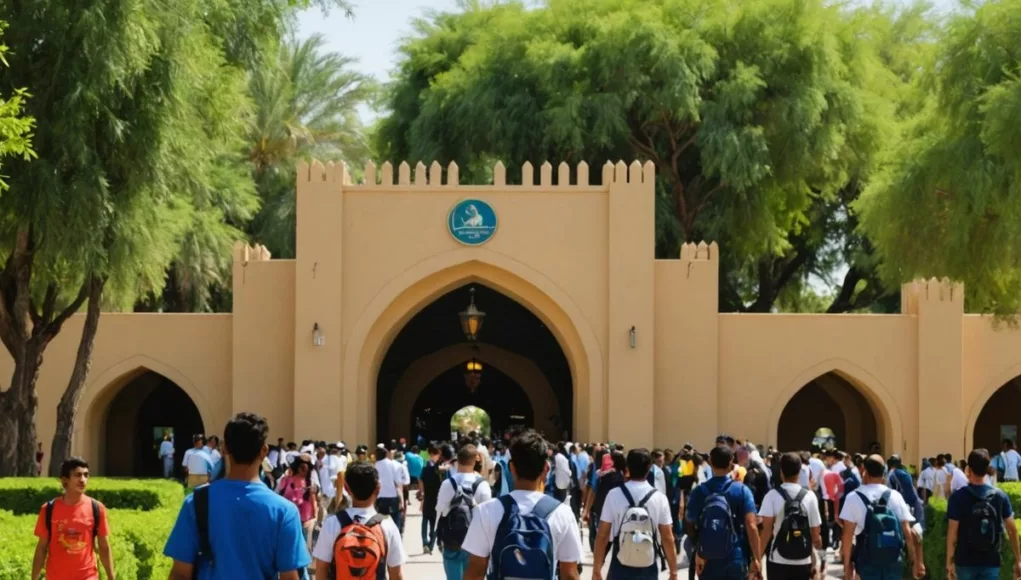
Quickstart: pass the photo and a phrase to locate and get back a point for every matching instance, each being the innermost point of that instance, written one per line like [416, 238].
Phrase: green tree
[470, 418]
[305, 105]
[15, 127]
[948, 200]
[760, 116]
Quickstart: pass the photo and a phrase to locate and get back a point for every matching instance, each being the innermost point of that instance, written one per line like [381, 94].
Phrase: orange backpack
[360, 549]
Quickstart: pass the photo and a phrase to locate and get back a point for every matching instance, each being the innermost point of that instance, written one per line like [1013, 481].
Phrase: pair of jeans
[428, 529]
[455, 562]
[891, 572]
[391, 506]
[977, 573]
[168, 466]
[593, 529]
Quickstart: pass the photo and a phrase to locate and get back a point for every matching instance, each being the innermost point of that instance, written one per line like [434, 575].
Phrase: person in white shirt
[635, 492]
[658, 476]
[166, 455]
[362, 483]
[529, 468]
[854, 513]
[465, 481]
[1011, 461]
[390, 501]
[927, 481]
[561, 473]
[958, 479]
[405, 479]
[327, 466]
[275, 453]
[197, 463]
[773, 513]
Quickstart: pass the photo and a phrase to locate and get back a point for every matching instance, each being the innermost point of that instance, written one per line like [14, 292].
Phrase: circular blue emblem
[472, 222]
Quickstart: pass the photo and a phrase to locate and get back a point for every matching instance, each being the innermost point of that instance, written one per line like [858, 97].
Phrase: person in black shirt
[428, 490]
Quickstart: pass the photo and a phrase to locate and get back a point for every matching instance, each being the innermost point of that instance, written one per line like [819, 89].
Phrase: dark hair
[467, 454]
[656, 454]
[361, 479]
[639, 461]
[1008, 443]
[381, 454]
[894, 462]
[948, 457]
[212, 438]
[433, 449]
[790, 465]
[244, 436]
[528, 454]
[415, 449]
[805, 457]
[978, 461]
[838, 455]
[874, 466]
[721, 457]
[619, 447]
[70, 464]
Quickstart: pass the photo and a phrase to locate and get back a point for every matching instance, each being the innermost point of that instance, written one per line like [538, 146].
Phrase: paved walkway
[423, 567]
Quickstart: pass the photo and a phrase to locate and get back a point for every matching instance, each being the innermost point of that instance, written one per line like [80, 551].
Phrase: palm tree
[305, 105]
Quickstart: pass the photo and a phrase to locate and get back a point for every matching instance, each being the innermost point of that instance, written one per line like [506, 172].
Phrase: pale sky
[377, 28]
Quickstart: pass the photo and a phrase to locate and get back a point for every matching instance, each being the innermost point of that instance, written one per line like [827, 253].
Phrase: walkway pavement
[423, 567]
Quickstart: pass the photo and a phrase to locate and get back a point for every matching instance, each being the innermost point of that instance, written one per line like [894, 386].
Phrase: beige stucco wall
[580, 257]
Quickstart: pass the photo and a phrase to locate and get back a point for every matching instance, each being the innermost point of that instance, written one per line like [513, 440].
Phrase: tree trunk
[9, 424]
[17, 413]
[67, 409]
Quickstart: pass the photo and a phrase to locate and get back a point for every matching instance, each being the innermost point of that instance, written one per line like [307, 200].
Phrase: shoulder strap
[344, 519]
[885, 499]
[801, 495]
[646, 499]
[726, 486]
[864, 499]
[201, 499]
[374, 520]
[783, 493]
[544, 507]
[627, 495]
[475, 486]
[95, 519]
[49, 518]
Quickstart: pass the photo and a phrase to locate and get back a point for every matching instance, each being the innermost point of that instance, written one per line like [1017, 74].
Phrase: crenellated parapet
[700, 251]
[933, 292]
[245, 253]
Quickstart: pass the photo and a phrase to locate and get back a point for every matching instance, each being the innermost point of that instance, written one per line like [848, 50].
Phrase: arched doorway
[829, 401]
[510, 330]
[145, 408]
[501, 398]
[1000, 418]
[471, 419]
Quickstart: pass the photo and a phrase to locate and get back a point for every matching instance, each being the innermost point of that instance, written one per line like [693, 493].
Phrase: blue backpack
[506, 478]
[523, 549]
[881, 542]
[717, 533]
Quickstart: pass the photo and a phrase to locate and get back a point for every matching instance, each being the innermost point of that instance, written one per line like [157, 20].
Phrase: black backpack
[200, 501]
[794, 541]
[606, 482]
[459, 518]
[755, 480]
[982, 525]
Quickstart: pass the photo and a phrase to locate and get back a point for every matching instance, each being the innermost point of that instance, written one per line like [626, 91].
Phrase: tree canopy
[948, 200]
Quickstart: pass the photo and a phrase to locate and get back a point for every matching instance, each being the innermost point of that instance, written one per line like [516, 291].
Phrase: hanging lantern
[471, 319]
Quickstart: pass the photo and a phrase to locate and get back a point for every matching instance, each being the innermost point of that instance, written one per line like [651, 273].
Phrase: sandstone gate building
[586, 333]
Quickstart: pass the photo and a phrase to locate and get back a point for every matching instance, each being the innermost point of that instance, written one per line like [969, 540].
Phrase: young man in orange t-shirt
[66, 540]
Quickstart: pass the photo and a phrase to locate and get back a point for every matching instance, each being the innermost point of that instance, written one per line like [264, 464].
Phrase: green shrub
[24, 496]
[935, 542]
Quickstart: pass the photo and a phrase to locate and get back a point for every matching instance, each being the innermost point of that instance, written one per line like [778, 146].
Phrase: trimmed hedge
[24, 496]
[935, 541]
[141, 514]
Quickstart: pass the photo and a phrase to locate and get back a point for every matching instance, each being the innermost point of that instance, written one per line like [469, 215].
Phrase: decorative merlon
[700, 251]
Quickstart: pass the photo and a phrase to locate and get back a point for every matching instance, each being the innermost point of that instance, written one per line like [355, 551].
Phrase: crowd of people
[515, 509]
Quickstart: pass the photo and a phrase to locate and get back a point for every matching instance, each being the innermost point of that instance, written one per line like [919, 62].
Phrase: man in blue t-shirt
[900, 480]
[966, 559]
[252, 532]
[745, 552]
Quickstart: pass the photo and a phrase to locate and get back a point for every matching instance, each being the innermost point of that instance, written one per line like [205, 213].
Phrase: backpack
[794, 541]
[834, 486]
[717, 534]
[359, 550]
[881, 542]
[523, 545]
[982, 525]
[505, 481]
[459, 518]
[604, 485]
[635, 545]
[755, 480]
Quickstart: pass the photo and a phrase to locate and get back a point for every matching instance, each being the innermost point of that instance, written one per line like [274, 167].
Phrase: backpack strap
[646, 499]
[201, 504]
[344, 519]
[544, 507]
[49, 519]
[885, 499]
[801, 495]
[627, 495]
[784, 494]
[475, 486]
[864, 499]
[95, 520]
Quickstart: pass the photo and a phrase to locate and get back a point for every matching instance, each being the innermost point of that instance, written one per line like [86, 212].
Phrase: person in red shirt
[68, 533]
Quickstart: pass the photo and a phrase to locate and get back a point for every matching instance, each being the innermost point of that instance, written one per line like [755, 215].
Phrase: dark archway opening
[145, 408]
[508, 325]
[833, 403]
[502, 398]
[1000, 418]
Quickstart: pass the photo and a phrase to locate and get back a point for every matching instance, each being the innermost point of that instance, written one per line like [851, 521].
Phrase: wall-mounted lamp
[318, 338]
[632, 340]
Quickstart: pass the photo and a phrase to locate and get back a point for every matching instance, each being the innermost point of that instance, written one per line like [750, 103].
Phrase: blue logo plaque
[472, 222]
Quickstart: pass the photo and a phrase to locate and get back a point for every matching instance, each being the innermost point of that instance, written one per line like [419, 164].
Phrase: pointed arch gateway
[408, 293]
